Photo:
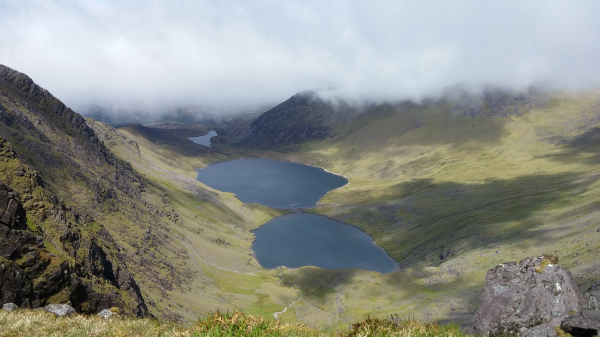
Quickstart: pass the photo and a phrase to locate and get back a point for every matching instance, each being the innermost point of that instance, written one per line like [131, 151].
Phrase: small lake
[297, 239]
[204, 140]
[303, 239]
[271, 183]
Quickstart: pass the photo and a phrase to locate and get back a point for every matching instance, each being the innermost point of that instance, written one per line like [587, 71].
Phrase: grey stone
[60, 310]
[106, 313]
[585, 323]
[10, 307]
[592, 303]
[528, 298]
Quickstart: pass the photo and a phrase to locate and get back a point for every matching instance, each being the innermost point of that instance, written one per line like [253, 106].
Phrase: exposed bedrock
[528, 298]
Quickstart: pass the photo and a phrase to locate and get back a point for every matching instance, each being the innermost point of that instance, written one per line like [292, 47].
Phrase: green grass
[217, 324]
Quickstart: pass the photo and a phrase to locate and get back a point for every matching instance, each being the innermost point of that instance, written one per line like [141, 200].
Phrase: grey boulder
[60, 310]
[528, 298]
[585, 323]
[10, 307]
[106, 313]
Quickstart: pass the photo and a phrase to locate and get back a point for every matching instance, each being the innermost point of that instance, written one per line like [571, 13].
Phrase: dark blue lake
[297, 239]
[271, 183]
[303, 239]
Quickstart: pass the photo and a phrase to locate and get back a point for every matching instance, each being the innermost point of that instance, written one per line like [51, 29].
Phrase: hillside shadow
[584, 148]
[457, 300]
[426, 222]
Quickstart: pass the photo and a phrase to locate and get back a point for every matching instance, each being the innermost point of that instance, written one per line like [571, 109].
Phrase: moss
[94, 226]
[62, 296]
[31, 225]
[545, 263]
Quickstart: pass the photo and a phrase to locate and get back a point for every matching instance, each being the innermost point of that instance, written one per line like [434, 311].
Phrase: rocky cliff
[88, 206]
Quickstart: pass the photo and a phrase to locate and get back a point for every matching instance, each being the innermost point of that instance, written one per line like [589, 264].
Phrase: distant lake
[271, 183]
[303, 239]
[204, 140]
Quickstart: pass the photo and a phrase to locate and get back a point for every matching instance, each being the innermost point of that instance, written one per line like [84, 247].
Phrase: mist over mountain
[239, 55]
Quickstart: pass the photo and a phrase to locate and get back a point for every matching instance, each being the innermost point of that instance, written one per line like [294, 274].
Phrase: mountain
[302, 118]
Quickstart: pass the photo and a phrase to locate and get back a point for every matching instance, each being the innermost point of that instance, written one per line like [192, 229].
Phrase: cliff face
[68, 184]
[45, 255]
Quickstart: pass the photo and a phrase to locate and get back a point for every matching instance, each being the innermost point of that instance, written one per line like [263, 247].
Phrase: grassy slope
[447, 195]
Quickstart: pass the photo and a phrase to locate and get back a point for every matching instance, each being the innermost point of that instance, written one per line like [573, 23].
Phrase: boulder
[585, 323]
[10, 307]
[106, 313]
[60, 310]
[527, 298]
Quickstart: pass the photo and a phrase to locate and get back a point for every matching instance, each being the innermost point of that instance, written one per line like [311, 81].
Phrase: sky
[245, 54]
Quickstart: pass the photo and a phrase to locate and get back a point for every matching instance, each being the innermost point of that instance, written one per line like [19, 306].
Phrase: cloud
[241, 54]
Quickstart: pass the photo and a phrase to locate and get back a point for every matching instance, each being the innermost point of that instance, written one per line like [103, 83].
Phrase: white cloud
[240, 53]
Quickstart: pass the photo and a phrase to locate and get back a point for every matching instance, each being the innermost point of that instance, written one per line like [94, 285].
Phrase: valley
[449, 187]
[448, 190]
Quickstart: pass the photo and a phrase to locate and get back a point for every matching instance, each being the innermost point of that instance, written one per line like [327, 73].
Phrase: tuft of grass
[241, 324]
[398, 327]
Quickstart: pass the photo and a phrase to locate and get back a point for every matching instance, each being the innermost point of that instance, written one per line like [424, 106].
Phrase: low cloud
[237, 55]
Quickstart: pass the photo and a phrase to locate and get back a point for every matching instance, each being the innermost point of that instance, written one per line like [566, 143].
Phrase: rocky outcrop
[527, 298]
[28, 276]
[81, 278]
[20, 259]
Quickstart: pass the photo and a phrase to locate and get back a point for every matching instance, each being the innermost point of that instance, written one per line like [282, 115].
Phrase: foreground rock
[528, 298]
[585, 323]
[60, 310]
[106, 313]
[10, 307]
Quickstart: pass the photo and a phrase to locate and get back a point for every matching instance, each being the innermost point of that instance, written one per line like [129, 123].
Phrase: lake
[204, 140]
[303, 239]
[271, 183]
[296, 239]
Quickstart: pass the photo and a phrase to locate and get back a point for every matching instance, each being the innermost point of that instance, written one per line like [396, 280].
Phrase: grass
[397, 327]
[41, 323]
[217, 324]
